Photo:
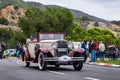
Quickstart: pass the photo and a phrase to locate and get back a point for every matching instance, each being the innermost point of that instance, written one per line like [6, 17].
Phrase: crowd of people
[94, 49]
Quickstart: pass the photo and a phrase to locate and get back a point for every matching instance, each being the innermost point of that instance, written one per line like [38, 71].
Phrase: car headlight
[54, 46]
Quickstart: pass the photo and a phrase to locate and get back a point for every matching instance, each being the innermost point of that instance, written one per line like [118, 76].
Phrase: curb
[103, 64]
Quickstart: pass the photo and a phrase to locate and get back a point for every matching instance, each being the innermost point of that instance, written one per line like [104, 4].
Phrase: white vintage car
[52, 49]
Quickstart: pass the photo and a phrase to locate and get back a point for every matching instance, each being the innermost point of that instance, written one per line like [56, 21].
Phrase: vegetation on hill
[75, 13]
[100, 34]
[19, 3]
[4, 21]
[83, 18]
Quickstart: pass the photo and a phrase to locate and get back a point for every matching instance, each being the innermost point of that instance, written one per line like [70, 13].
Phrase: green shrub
[4, 21]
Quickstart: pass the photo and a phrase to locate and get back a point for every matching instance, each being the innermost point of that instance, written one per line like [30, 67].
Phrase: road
[13, 69]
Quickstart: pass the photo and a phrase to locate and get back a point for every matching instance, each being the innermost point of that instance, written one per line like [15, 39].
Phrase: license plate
[64, 58]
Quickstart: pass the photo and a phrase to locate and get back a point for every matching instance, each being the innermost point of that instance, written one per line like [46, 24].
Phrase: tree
[96, 24]
[77, 33]
[102, 34]
[48, 20]
[83, 19]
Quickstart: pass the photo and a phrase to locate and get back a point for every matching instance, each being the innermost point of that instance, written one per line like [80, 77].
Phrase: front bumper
[63, 59]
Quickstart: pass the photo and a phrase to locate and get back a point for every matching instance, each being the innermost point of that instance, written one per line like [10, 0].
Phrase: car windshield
[51, 36]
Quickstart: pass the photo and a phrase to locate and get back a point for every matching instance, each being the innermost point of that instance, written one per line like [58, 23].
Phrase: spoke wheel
[42, 64]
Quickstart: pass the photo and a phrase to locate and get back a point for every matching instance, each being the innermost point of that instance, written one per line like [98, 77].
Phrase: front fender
[44, 50]
[77, 50]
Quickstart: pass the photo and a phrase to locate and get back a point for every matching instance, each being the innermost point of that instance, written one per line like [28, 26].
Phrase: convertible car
[52, 49]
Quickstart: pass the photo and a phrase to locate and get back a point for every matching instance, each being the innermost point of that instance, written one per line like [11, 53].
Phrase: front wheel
[41, 63]
[78, 65]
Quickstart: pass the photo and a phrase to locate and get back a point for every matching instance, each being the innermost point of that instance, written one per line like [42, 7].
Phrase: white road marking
[89, 78]
[57, 72]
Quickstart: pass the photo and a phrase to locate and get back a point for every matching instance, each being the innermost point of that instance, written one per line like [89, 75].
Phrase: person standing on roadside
[94, 46]
[101, 50]
[0, 51]
[3, 46]
[90, 49]
[18, 49]
[84, 46]
[111, 51]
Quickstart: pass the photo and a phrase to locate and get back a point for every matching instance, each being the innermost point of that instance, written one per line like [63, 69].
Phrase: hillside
[20, 3]
[75, 13]
[17, 9]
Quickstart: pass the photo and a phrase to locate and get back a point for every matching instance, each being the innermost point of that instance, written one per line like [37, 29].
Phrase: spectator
[90, 49]
[0, 51]
[117, 53]
[18, 50]
[84, 46]
[101, 50]
[111, 51]
[94, 50]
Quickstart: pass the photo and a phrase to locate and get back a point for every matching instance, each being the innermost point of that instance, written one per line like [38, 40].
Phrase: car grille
[62, 49]
[61, 52]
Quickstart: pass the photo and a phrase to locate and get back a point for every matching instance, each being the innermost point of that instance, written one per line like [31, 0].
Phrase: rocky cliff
[12, 13]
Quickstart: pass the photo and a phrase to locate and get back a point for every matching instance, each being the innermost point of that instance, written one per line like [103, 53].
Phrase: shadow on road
[52, 68]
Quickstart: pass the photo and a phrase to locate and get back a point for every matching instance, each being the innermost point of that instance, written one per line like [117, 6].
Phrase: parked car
[9, 52]
[52, 49]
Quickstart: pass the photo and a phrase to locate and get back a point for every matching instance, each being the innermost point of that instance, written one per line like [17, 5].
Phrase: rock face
[12, 13]
[114, 27]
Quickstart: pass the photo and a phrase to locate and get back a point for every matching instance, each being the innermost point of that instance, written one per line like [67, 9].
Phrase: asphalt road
[13, 69]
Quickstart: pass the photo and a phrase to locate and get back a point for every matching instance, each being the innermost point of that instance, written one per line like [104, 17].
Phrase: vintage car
[52, 49]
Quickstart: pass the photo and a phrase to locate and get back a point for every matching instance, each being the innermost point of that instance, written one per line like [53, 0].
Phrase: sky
[105, 9]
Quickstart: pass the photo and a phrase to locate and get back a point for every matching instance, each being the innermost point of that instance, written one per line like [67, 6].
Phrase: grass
[117, 62]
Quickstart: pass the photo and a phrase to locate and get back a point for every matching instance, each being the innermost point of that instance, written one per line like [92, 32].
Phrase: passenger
[101, 50]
